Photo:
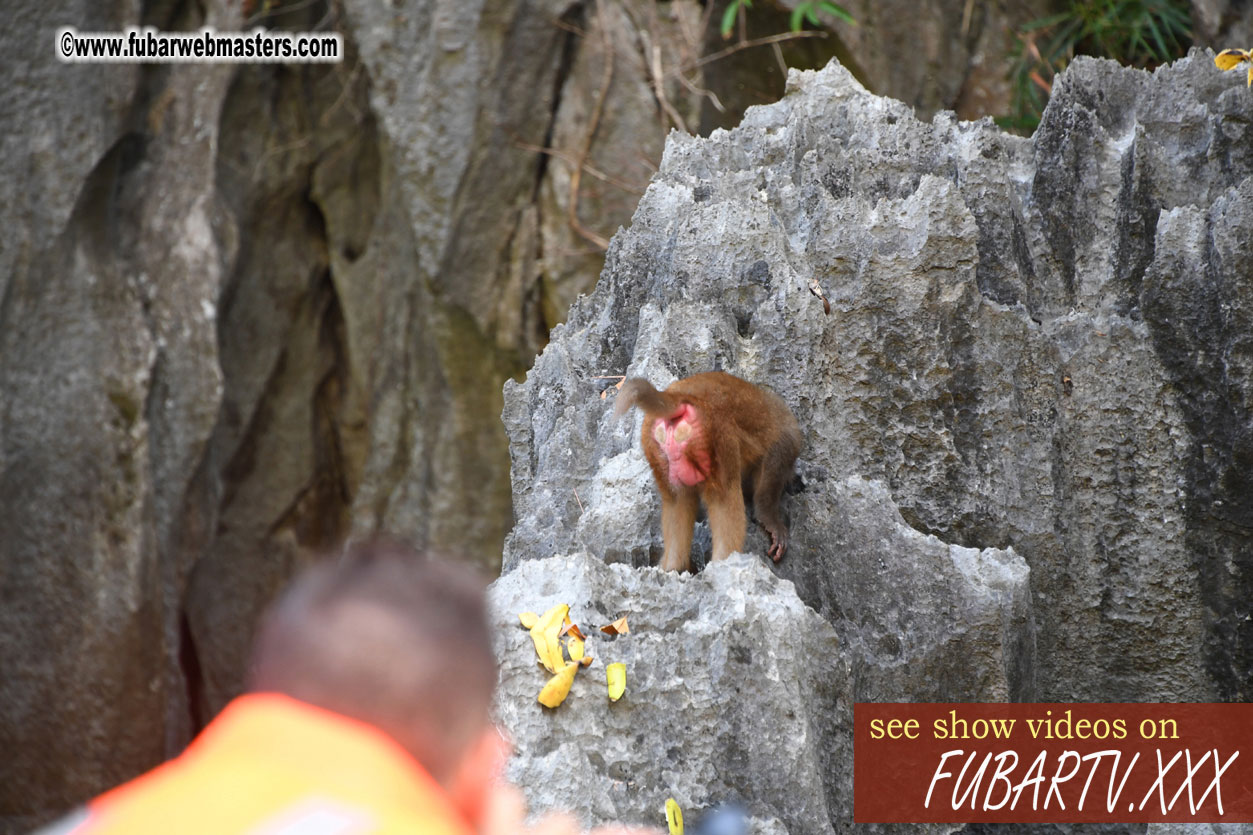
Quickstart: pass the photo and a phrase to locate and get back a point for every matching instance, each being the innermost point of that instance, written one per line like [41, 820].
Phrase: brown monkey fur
[713, 437]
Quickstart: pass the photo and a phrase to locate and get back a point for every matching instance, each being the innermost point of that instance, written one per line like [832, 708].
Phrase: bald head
[391, 638]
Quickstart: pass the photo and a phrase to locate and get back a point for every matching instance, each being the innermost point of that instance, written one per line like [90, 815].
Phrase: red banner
[1057, 763]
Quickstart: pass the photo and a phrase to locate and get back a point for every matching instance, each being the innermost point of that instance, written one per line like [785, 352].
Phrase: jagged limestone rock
[1038, 344]
[708, 658]
[739, 692]
[246, 310]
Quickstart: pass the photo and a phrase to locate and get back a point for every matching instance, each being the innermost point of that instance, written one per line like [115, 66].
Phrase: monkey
[714, 438]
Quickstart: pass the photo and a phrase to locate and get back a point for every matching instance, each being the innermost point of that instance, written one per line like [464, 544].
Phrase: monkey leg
[678, 518]
[727, 520]
[773, 475]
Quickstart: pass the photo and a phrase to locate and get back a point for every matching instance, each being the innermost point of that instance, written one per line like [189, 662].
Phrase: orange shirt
[271, 765]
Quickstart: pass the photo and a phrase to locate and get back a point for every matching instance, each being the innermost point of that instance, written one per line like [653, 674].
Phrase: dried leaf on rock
[573, 629]
[618, 627]
[616, 386]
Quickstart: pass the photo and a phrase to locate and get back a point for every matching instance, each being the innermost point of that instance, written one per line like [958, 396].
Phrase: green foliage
[732, 12]
[809, 12]
[804, 12]
[1140, 33]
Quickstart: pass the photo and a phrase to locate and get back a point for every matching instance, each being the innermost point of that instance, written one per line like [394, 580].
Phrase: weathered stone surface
[708, 656]
[1034, 344]
[250, 310]
[110, 386]
[247, 310]
[1198, 829]
[454, 88]
[737, 691]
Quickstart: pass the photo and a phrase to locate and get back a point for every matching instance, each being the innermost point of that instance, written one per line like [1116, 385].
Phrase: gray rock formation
[249, 310]
[1198, 829]
[109, 388]
[1038, 345]
[737, 691]
[708, 657]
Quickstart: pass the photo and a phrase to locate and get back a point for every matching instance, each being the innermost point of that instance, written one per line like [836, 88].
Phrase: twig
[690, 37]
[650, 63]
[277, 11]
[571, 252]
[576, 498]
[659, 90]
[347, 87]
[277, 151]
[568, 157]
[778, 57]
[731, 50]
[569, 27]
[701, 91]
[593, 122]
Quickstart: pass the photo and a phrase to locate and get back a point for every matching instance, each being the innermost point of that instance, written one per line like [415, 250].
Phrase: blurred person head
[400, 641]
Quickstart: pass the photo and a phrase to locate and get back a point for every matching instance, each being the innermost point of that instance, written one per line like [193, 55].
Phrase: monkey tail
[639, 392]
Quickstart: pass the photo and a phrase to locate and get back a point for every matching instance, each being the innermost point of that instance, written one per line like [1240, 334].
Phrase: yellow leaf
[1229, 58]
[674, 817]
[618, 627]
[558, 687]
[528, 619]
[575, 647]
[615, 675]
[544, 635]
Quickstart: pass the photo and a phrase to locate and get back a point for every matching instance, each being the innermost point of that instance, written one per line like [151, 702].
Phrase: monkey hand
[778, 544]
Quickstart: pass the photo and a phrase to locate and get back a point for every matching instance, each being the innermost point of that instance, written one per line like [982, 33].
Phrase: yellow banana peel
[616, 676]
[558, 687]
[545, 636]
[674, 817]
[1229, 58]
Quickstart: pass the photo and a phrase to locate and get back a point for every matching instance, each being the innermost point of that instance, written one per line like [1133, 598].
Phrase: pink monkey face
[686, 465]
